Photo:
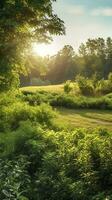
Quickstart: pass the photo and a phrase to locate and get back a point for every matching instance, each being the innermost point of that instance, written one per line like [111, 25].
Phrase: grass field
[48, 88]
[70, 118]
[85, 118]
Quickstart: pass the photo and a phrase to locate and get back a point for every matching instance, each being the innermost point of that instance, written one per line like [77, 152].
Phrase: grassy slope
[85, 118]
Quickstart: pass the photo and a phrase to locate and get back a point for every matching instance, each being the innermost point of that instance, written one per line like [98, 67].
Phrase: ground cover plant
[41, 160]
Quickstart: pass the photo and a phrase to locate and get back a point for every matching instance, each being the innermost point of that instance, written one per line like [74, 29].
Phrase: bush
[14, 179]
[105, 86]
[18, 111]
[85, 85]
[68, 87]
[82, 102]
[69, 100]
[94, 86]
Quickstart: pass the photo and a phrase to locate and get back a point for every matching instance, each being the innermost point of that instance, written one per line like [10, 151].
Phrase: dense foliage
[93, 57]
[94, 86]
[73, 101]
[21, 23]
[41, 161]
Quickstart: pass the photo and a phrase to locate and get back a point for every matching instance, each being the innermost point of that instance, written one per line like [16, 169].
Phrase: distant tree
[36, 68]
[62, 65]
[21, 23]
[93, 60]
[93, 56]
[108, 66]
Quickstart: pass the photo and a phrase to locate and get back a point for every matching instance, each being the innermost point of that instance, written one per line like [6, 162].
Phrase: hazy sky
[83, 19]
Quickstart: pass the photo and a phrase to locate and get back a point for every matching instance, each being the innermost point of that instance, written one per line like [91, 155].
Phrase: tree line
[93, 58]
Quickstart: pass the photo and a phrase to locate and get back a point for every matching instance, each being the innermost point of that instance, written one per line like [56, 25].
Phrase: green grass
[48, 88]
[84, 118]
[71, 118]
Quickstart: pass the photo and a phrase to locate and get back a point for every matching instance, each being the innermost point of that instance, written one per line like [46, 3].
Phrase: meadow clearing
[76, 118]
[55, 100]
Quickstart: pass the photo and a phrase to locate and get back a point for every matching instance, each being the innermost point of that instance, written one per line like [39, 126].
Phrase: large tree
[21, 23]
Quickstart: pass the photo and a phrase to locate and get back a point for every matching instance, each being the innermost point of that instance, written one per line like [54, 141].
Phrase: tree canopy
[21, 23]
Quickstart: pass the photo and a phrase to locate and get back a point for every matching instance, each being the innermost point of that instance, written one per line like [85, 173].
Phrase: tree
[108, 66]
[36, 67]
[21, 23]
[62, 65]
[93, 56]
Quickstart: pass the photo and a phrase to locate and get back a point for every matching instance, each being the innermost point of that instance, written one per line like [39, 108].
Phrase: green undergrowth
[39, 160]
[69, 100]
[47, 164]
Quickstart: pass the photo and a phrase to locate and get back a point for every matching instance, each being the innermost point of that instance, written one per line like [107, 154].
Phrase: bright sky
[83, 19]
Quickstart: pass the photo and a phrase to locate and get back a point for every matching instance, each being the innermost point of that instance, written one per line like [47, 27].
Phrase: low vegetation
[84, 118]
[42, 158]
[72, 101]
[48, 88]
[94, 86]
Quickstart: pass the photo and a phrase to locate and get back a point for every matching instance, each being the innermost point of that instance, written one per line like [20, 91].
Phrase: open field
[85, 118]
[76, 118]
[51, 88]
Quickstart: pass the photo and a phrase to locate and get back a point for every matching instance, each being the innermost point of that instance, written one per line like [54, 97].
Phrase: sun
[43, 49]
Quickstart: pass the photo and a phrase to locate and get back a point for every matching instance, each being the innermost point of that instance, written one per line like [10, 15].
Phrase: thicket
[41, 161]
[94, 86]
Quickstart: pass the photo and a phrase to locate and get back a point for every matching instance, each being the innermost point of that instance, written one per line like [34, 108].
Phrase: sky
[83, 19]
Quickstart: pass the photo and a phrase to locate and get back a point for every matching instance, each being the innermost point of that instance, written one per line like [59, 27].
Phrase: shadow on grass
[100, 116]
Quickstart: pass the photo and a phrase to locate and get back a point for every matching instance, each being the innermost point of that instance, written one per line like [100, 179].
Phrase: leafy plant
[85, 85]
[68, 87]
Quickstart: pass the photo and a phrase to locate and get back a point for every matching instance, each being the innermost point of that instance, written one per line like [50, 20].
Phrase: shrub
[69, 100]
[74, 102]
[68, 87]
[12, 115]
[105, 86]
[85, 85]
[14, 179]
[94, 86]
[38, 97]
